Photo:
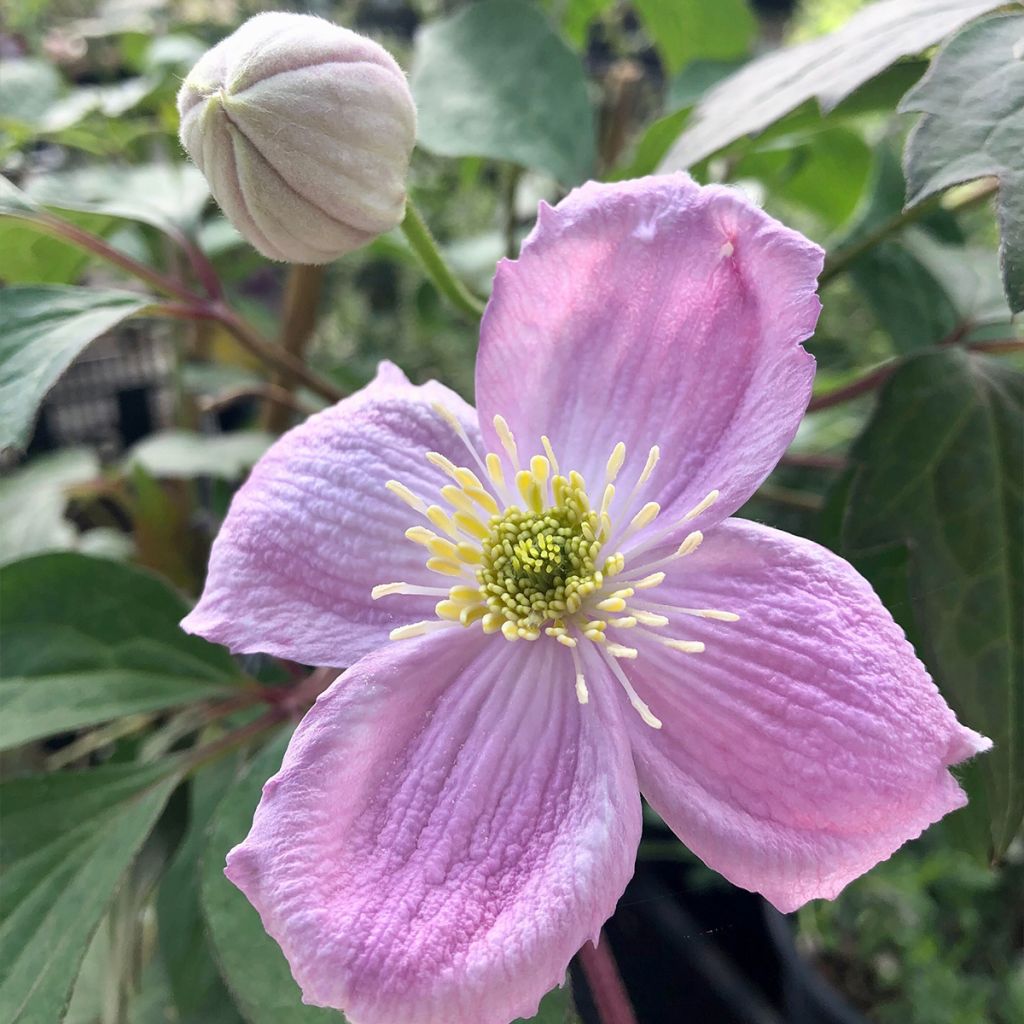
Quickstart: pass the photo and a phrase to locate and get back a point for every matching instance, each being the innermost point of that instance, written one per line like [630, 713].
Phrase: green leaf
[827, 69]
[577, 17]
[45, 327]
[495, 80]
[939, 472]
[192, 976]
[67, 840]
[185, 453]
[682, 30]
[251, 963]
[27, 88]
[161, 195]
[86, 640]
[972, 98]
[33, 500]
[556, 1007]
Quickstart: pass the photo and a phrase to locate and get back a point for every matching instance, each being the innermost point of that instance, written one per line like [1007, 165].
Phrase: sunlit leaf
[45, 327]
[185, 453]
[827, 69]
[683, 30]
[33, 500]
[972, 99]
[495, 80]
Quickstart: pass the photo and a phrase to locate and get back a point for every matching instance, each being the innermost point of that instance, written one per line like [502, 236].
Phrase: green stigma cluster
[539, 566]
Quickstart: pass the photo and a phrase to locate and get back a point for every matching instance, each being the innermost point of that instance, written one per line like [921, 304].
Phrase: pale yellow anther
[386, 589]
[464, 594]
[628, 622]
[612, 604]
[449, 609]
[618, 651]
[645, 712]
[406, 495]
[582, 694]
[625, 593]
[441, 548]
[443, 463]
[652, 460]
[444, 567]
[441, 520]
[492, 622]
[644, 517]
[702, 506]
[494, 470]
[508, 441]
[510, 630]
[615, 461]
[606, 499]
[614, 564]
[471, 613]
[449, 417]
[483, 499]
[541, 469]
[469, 553]
[650, 581]
[471, 525]
[413, 629]
[420, 535]
[686, 646]
[690, 543]
[527, 486]
[565, 640]
[711, 613]
[649, 618]
[550, 453]
[458, 499]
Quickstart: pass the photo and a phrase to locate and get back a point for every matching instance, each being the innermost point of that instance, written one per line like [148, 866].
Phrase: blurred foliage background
[115, 481]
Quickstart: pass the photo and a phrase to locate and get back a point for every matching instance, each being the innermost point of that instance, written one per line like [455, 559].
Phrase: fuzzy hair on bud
[304, 131]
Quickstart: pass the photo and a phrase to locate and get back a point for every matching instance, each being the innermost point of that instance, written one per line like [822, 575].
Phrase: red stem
[606, 988]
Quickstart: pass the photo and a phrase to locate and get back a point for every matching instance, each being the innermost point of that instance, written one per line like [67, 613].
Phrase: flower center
[529, 553]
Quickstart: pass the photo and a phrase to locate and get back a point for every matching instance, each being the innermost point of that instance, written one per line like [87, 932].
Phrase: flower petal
[655, 312]
[449, 826]
[807, 743]
[313, 530]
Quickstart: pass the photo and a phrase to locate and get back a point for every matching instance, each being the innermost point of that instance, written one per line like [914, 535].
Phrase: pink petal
[655, 312]
[807, 743]
[313, 530]
[449, 826]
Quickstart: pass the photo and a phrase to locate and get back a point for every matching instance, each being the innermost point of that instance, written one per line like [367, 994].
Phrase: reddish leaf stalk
[606, 988]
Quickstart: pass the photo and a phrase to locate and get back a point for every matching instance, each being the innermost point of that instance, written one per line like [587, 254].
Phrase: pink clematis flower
[548, 612]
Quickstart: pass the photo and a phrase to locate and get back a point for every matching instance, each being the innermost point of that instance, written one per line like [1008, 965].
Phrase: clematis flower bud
[304, 131]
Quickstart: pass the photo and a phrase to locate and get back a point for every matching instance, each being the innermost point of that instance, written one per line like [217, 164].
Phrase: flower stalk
[605, 984]
[423, 244]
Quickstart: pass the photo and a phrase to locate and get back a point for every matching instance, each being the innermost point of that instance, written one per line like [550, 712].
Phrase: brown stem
[93, 243]
[856, 388]
[272, 393]
[301, 301]
[813, 460]
[250, 339]
[602, 974]
[997, 345]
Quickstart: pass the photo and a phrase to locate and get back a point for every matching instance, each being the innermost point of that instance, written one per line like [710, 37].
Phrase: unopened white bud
[304, 131]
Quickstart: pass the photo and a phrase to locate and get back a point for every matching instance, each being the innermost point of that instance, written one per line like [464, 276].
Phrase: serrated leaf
[67, 840]
[683, 30]
[45, 327]
[940, 472]
[86, 640]
[186, 453]
[972, 98]
[495, 80]
[33, 500]
[251, 963]
[826, 69]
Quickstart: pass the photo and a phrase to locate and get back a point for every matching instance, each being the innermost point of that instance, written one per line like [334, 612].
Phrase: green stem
[422, 243]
